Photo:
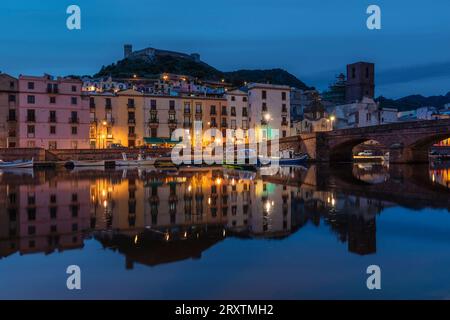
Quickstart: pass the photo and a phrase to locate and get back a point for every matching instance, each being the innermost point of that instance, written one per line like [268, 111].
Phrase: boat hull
[16, 164]
[135, 163]
[79, 163]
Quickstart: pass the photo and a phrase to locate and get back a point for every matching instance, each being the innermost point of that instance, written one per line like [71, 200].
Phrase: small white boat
[88, 163]
[139, 162]
[17, 164]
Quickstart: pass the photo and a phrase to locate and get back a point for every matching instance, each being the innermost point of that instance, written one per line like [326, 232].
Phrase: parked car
[116, 146]
[366, 153]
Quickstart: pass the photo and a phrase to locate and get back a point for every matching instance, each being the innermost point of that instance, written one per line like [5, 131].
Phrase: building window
[30, 130]
[74, 144]
[31, 99]
[283, 96]
[244, 99]
[284, 133]
[153, 104]
[244, 112]
[172, 104]
[30, 85]
[74, 88]
[353, 72]
[108, 103]
[52, 145]
[233, 111]
[12, 115]
[233, 98]
[53, 130]
[74, 130]
[52, 117]
[213, 110]
[153, 132]
[198, 108]
[244, 124]
[12, 98]
[73, 100]
[233, 124]
[264, 94]
[11, 84]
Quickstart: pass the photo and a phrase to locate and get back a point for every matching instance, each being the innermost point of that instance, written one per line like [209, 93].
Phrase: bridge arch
[343, 152]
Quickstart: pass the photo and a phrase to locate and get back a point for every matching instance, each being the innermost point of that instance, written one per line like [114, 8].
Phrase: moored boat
[87, 163]
[139, 162]
[17, 164]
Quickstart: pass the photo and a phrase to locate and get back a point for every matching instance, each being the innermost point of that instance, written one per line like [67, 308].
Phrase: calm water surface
[305, 233]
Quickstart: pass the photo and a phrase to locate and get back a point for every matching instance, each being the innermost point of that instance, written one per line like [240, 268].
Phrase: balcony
[12, 119]
[284, 123]
[198, 111]
[264, 122]
[108, 106]
[187, 124]
[131, 121]
[224, 112]
[153, 123]
[213, 112]
[92, 105]
[224, 124]
[74, 120]
[131, 135]
[130, 105]
[187, 111]
[52, 119]
[31, 119]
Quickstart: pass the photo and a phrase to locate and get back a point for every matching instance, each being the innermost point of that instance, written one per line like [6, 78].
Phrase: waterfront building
[239, 116]
[301, 101]
[117, 119]
[52, 113]
[361, 114]
[269, 108]
[8, 111]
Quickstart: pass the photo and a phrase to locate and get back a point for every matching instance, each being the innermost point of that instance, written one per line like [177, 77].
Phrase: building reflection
[154, 217]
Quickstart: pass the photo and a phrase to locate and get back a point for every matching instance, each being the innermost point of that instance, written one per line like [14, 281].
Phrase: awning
[149, 140]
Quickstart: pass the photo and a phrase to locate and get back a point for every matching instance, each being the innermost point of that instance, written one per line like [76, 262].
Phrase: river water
[214, 233]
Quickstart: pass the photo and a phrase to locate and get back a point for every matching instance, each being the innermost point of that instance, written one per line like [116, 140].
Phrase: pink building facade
[52, 113]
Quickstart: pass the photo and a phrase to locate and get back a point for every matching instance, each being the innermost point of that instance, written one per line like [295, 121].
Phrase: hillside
[126, 68]
[414, 101]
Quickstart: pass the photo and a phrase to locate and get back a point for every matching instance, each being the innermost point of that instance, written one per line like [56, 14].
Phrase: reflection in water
[158, 217]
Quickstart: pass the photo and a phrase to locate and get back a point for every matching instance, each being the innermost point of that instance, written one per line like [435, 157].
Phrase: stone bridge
[407, 142]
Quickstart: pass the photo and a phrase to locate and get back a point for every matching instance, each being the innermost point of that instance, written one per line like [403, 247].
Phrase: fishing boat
[86, 163]
[139, 162]
[17, 164]
[295, 160]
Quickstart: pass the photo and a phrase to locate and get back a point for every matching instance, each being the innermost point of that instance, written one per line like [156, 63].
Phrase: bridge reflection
[156, 217]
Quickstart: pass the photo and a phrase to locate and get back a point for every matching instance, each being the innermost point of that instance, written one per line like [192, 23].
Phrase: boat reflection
[154, 216]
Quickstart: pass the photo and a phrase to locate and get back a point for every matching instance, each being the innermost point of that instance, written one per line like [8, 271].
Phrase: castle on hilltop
[151, 53]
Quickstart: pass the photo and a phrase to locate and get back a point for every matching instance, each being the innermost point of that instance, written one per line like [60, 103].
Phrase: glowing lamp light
[267, 117]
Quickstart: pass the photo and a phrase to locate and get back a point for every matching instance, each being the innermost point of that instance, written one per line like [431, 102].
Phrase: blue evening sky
[312, 39]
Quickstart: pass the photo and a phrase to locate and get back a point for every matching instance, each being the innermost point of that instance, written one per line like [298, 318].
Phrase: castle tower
[360, 81]
[127, 50]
